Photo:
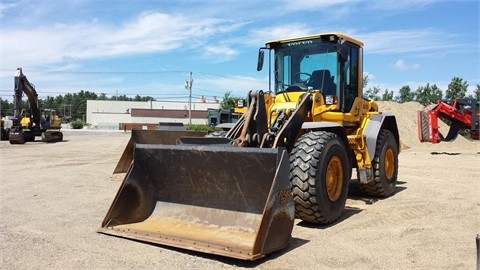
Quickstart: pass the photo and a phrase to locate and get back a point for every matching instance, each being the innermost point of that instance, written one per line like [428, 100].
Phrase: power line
[103, 72]
[114, 93]
[225, 76]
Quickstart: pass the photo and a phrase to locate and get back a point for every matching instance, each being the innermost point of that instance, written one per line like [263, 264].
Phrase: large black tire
[424, 126]
[319, 172]
[385, 166]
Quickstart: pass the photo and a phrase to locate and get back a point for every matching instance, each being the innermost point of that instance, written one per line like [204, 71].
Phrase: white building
[109, 114]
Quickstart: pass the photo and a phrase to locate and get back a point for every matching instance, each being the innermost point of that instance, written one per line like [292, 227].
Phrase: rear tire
[424, 126]
[319, 176]
[385, 166]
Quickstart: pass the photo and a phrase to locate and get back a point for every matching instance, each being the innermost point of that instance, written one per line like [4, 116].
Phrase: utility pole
[68, 117]
[188, 86]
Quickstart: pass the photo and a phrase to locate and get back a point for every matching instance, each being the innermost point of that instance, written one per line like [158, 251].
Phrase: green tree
[63, 107]
[68, 101]
[364, 81]
[121, 98]
[6, 107]
[140, 98]
[148, 98]
[387, 95]
[457, 88]
[49, 103]
[80, 103]
[102, 96]
[428, 93]
[69, 106]
[437, 93]
[406, 95]
[372, 93]
[477, 92]
[228, 101]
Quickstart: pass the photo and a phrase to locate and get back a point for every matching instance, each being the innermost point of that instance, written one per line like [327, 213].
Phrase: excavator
[290, 155]
[462, 114]
[32, 122]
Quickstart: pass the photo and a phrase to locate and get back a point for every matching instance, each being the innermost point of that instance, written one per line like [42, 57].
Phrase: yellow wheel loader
[290, 155]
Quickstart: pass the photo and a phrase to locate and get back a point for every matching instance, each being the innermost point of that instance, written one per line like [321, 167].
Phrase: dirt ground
[53, 198]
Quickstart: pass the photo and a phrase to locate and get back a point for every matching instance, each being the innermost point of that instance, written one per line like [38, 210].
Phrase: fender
[328, 126]
[377, 122]
[331, 126]
[320, 125]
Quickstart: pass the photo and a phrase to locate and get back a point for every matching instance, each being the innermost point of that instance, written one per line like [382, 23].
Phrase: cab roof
[339, 35]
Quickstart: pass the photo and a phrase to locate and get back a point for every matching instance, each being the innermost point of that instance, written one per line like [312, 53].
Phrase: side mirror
[344, 50]
[261, 56]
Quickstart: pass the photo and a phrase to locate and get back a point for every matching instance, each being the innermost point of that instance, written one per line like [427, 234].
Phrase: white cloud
[5, 7]
[315, 5]
[258, 36]
[71, 35]
[149, 32]
[416, 66]
[370, 76]
[400, 5]
[407, 41]
[220, 53]
[402, 65]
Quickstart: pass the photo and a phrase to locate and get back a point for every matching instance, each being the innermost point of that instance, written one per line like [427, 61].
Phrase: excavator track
[52, 136]
[16, 137]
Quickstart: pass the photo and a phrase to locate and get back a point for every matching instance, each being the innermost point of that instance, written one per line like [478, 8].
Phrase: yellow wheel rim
[389, 164]
[334, 178]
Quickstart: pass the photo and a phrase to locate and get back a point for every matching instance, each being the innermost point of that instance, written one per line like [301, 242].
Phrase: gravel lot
[53, 198]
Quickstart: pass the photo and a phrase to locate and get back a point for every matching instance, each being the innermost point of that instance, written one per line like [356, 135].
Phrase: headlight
[330, 99]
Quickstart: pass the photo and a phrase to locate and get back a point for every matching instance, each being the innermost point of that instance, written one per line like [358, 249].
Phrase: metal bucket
[229, 201]
[150, 137]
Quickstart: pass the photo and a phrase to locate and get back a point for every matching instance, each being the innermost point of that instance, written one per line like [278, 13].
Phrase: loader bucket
[224, 200]
[150, 137]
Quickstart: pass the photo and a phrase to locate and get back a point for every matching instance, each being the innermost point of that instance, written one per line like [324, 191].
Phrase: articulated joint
[364, 163]
[365, 170]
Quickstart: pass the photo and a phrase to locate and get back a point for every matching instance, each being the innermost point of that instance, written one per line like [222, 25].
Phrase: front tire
[385, 166]
[319, 173]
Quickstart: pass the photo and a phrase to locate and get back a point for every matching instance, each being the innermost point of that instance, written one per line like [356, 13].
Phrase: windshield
[305, 65]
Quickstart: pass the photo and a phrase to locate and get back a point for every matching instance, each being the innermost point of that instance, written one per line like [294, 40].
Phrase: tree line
[73, 106]
[456, 89]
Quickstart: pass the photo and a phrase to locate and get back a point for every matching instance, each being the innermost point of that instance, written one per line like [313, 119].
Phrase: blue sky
[148, 47]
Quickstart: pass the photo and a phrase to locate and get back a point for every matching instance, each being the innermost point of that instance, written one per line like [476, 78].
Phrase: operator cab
[330, 63]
